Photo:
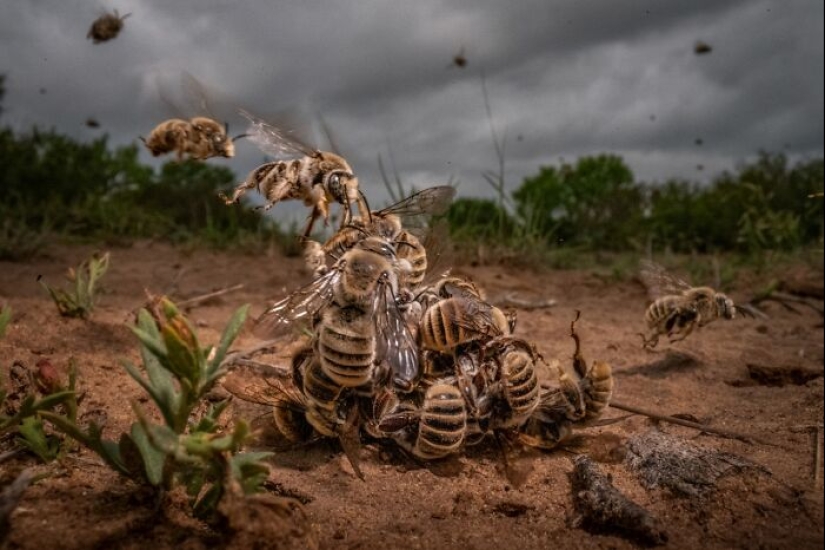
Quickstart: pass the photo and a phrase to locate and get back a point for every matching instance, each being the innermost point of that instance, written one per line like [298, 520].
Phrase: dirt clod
[664, 461]
[601, 508]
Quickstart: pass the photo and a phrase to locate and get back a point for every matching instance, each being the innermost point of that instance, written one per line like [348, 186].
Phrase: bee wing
[659, 282]
[260, 389]
[195, 94]
[475, 315]
[436, 241]
[299, 308]
[273, 140]
[395, 343]
[432, 201]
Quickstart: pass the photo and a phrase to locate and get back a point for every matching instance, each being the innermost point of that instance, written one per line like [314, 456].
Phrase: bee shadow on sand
[674, 362]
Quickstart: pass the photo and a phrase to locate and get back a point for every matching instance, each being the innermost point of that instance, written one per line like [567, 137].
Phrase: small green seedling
[5, 319]
[81, 301]
[185, 449]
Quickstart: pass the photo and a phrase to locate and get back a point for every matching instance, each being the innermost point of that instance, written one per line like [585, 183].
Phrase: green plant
[81, 301]
[5, 319]
[183, 449]
[13, 415]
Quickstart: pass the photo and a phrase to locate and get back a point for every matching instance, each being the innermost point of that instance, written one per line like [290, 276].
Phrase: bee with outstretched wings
[304, 173]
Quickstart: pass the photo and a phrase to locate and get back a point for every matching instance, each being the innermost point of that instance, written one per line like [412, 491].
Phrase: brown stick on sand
[695, 425]
[203, 297]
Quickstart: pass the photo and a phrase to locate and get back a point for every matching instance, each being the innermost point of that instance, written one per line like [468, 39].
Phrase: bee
[106, 27]
[517, 380]
[594, 382]
[200, 138]
[435, 429]
[315, 177]
[579, 400]
[307, 409]
[459, 320]
[448, 287]
[356, 318]
[388, 224]
[677, 307]
[289, 406]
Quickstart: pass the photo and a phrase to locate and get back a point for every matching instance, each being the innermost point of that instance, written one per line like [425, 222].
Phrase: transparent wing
[252, 386]
[273, 140]
[297, 310]
[659, 282]
[474, 315]
[439, 249]
[195, 95]
[432, 201]
[395, 343]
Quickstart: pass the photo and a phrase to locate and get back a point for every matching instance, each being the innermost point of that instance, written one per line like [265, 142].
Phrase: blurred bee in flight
[200, 137]
[677, 308]
[106, 27]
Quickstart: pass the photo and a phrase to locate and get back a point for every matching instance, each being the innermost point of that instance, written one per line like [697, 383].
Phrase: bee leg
[651, 342]
[349, 437]
[311, 221]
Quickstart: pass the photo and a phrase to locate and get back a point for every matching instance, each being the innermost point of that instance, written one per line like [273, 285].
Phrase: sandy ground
[466, 502]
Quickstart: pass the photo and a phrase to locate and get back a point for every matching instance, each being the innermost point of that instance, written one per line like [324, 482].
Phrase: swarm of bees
[678, 308]
[106, 27]
[395, 354]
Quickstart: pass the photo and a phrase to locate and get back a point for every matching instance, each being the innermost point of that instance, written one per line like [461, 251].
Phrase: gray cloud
[564, 78]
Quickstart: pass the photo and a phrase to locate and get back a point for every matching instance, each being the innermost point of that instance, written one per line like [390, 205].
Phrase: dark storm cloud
[564, 78]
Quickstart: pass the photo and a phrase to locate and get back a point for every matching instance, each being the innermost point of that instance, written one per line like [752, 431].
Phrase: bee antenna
[366, 204]
[240, 136]
[359, 229]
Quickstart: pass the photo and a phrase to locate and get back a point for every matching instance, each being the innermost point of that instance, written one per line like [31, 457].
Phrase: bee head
[336, 185]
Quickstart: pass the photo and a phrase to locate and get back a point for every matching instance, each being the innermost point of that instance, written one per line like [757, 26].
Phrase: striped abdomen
[520, 384]
[291, 420]
[322, 395]
[410, 249]
[598, 389]
[442, 424]
[346, 345]
[663, 310]
[449, 323]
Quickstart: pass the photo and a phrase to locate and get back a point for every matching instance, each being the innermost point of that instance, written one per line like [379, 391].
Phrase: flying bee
[388, 223]
[315, 177]
[200, 138]
[354, 312]
[677, 307]
[459, 320]
[106, 27]
[435, 429]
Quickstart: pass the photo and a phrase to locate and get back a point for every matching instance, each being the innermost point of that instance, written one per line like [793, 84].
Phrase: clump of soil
[664, 461]
[601, 508]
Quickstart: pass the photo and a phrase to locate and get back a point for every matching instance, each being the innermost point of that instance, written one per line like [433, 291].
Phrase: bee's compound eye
[334, 184]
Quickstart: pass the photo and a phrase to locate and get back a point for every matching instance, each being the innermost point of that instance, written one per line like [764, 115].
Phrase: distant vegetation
[53, 185]
[596, 204]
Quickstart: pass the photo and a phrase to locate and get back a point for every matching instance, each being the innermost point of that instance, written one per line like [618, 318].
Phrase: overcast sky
[565, 78]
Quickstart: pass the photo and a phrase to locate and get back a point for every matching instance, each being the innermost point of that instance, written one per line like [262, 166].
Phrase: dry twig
[688, 424]
[209, 295]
